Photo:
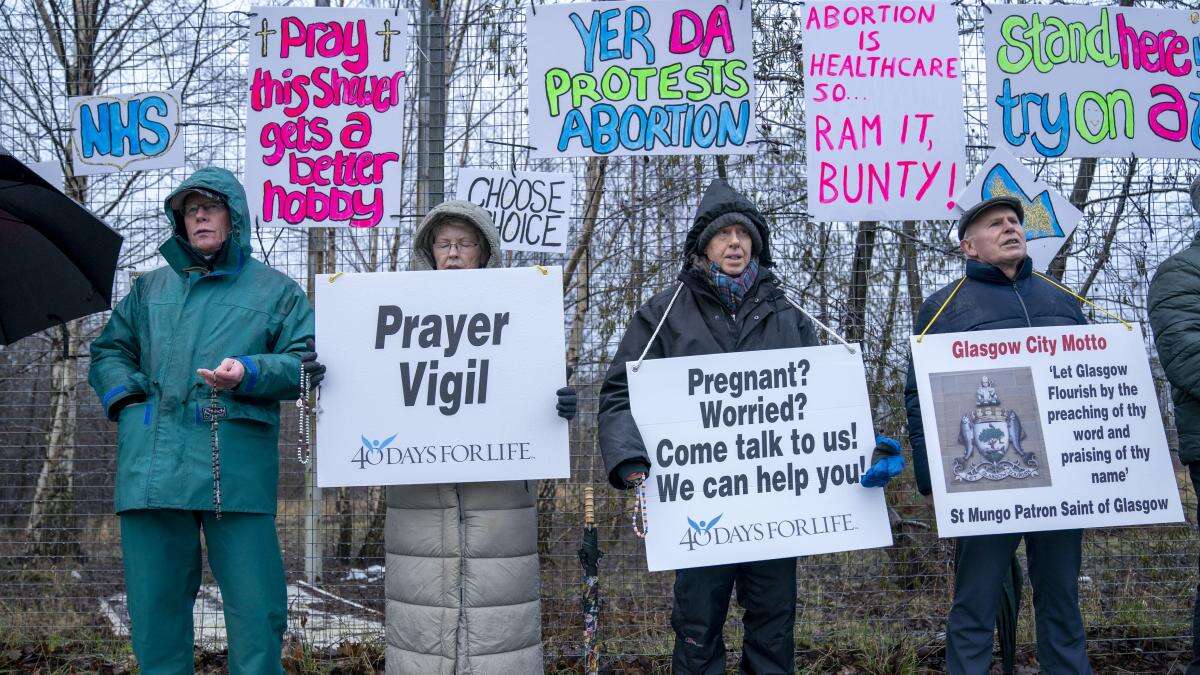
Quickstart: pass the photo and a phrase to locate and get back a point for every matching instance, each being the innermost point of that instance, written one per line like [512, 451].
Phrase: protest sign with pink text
[883, 95]
[1093, 81]
[325, 116]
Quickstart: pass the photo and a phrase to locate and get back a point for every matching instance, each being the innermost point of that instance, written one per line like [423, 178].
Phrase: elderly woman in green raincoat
[212, 319]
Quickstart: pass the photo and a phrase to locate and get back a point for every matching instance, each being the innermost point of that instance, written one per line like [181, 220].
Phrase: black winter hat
[978, 210]
[721, 207]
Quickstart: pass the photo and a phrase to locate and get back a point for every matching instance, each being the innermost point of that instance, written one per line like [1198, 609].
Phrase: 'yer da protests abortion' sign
[1043, 429]
[657, 77]
[531, 209]
[883, 91]
[756, 455]
[1086, 81]
[441, 377]
[325, 117]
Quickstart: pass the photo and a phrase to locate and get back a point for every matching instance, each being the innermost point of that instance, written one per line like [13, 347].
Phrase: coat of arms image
[991, 437]
[988, 430]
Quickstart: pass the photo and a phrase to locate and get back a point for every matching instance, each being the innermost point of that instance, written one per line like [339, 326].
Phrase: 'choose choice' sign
[532, 210]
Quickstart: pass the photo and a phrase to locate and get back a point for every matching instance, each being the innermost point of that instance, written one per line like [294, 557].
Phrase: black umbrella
[57, 259]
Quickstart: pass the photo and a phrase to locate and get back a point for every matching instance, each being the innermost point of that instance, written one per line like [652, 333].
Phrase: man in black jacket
[1002, 291]
[727, 300]
[1175, 317]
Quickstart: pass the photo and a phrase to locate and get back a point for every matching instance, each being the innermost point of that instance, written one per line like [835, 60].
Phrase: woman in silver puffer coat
[462, 564]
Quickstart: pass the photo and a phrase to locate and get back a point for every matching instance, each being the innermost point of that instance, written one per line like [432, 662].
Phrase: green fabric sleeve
[1174, 308]
[116, 374]
[276, 375]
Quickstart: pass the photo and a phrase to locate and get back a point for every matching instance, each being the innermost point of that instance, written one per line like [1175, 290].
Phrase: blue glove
[885, 445]
[887, 467]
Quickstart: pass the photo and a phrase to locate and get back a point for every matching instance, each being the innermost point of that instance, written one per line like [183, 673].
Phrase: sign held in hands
[1043, 429]
[441, 377]
[756, 455]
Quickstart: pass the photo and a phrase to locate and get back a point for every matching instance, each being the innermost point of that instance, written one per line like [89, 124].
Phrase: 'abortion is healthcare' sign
[657, 77]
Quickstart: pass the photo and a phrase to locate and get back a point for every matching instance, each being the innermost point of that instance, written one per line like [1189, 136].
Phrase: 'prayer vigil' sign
[441, 377]
[884, 99]
[1080, 81]
[756, 455]
[1043, 429]
[325, 117]
[655, 77]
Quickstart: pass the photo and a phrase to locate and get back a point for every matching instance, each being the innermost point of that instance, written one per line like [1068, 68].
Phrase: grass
[876, 611]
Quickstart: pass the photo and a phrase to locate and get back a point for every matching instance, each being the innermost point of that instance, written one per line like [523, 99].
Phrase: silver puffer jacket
[462, 566]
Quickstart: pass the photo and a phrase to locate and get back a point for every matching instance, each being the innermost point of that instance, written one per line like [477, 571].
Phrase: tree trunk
[877, 384]
[345, 521]
[1079, 196]
[594, 189]
[912, 269]
[52, 529]
[860, 268]
[1111, 234]
[372, 545]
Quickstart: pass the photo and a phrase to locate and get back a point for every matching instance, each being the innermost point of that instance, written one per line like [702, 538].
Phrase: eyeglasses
[464, 246]
[210, 207]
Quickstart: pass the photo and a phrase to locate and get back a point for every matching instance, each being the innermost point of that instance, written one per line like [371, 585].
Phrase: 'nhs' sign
[125, 132]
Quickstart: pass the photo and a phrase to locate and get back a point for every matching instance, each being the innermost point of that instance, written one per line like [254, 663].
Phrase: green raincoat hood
[238, 248]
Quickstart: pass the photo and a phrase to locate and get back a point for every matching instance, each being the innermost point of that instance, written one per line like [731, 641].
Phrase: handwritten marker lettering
[641, 78]
[326, 116]
[125, 132]
[884, 99]
[1093, 82]
[533, 210]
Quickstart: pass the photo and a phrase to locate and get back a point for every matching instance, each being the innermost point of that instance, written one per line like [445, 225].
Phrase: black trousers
[981, 565]
[765, 589]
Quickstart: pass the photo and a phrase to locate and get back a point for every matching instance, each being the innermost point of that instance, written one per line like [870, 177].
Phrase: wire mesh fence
[881, 610]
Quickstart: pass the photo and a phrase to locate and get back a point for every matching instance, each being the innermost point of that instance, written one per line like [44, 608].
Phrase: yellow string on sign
[545, 272]
[939, 312]
[335, 276]
[1128, 325]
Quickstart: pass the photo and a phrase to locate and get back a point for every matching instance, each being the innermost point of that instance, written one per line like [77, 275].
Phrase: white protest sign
[1049, 217]
[532, 209]
[1080, 81]
[1043, 429]
[884, 99]
[441, 377]
[325, 116]
[125, 132]
[756, 455]
[657, 77]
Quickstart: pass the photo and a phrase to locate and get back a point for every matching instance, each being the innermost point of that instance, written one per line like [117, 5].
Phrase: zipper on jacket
[1028, 321]
[461, 622]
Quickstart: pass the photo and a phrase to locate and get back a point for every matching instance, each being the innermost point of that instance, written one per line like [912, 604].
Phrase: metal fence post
[431, 106]
[314, 553]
